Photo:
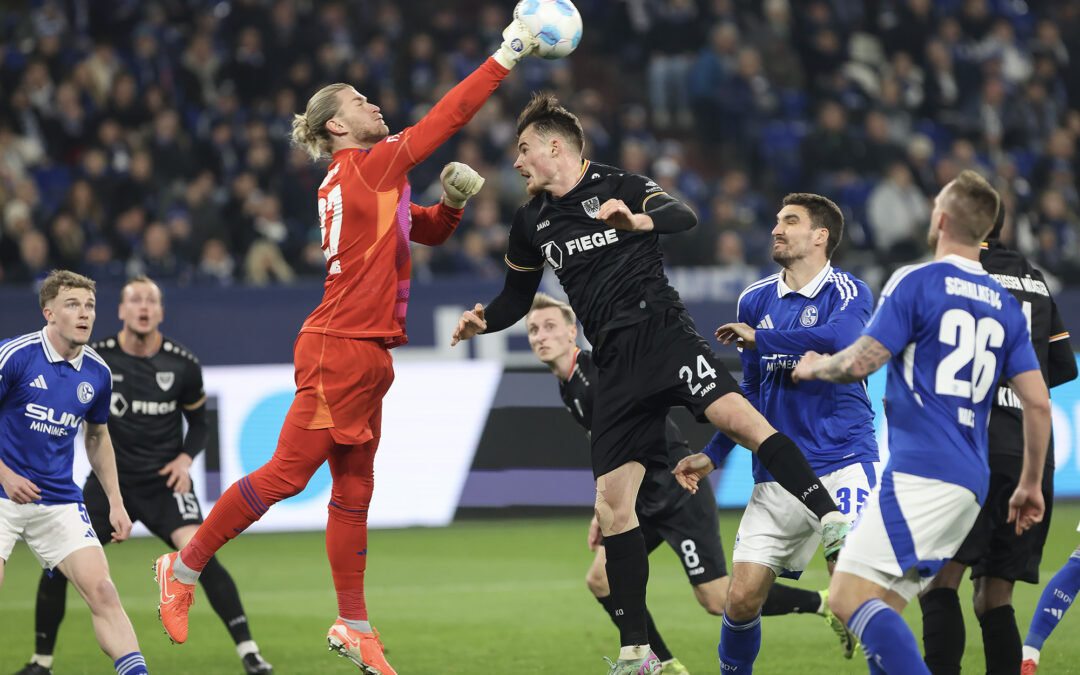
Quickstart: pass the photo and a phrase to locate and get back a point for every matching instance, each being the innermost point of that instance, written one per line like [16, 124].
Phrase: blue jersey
[952, 330]
[833, 424]
[43, 402]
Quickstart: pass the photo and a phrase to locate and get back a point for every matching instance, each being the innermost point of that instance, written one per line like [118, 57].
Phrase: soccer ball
[556, 23]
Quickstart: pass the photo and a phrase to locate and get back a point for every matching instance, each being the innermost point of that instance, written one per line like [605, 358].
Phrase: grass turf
[488, 596]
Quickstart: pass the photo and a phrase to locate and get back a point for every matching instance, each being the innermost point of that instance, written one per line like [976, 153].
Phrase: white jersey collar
[811, 289]
[966, 264]
[53, 356]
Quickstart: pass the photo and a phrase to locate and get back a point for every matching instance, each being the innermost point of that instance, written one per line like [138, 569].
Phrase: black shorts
[645, 370]
[992, 548]
[148, 500]
[693, 531]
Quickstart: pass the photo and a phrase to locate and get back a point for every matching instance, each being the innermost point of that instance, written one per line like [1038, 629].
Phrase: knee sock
[131, 664]
[1054, 602]
[888, 642]
[299, 453]
[943, 631]
[628, 575]
[49, 611]
[346, 547]
[1001, 641]
[739, 645]
[655, 641]
[786, 463]
[790, 600]
[225, 599]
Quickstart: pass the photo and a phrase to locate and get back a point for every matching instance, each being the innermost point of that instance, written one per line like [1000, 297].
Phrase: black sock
[225, 599]
[628, 574]
[49, 611]
[655, 641]
[943, 631]
[790, 600]
[1001, 641]
[786, 463]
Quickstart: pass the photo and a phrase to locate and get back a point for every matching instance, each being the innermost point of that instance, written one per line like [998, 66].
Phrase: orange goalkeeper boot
[176, 599]
[363, 649]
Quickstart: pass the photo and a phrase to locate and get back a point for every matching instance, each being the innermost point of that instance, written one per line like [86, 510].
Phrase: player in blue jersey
[954, 331]
[808, 305]
[51, 383]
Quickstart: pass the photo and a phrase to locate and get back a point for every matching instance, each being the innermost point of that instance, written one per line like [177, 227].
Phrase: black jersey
[659, 492]
[148, 398]
[1048, 337]
[613, 278]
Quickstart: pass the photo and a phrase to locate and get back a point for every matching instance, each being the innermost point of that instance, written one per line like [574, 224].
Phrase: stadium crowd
[152, 137]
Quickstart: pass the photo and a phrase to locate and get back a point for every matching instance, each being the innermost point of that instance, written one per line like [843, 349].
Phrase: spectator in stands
[897, 212]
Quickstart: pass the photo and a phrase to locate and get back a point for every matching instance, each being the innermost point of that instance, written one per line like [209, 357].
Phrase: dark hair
[551, 119]
[823, 213]
[977, 205]
[58, 280]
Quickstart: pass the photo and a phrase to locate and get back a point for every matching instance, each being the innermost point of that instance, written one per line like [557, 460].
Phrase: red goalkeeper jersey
[367, 220]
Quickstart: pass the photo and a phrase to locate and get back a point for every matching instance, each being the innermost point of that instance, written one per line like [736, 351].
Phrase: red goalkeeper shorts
[340, 384]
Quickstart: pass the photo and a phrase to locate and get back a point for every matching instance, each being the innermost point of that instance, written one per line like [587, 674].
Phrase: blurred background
[152, 137]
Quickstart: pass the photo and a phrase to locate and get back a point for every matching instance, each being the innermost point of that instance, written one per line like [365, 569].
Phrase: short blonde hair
[309, 130]
[58, 280]
[544, 301]
[974, 206]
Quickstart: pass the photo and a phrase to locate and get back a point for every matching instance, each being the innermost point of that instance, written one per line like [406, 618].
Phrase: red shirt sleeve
[432, 225]
[391, 158]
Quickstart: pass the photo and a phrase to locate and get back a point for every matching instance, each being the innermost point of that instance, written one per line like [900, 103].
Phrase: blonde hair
[58, 280]
[309, 130]
[544, 301]
[974, 205]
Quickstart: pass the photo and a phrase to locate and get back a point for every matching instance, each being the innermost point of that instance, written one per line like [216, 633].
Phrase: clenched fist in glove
[517, 43]
[459, 182]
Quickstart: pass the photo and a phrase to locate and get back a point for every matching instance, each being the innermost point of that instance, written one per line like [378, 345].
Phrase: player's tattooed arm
[850, 365]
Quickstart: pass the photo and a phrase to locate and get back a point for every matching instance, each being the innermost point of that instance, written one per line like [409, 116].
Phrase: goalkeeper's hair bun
[309, 129]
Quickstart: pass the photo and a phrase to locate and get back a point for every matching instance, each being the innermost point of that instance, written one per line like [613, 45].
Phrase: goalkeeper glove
[459, 181]
[517, 43]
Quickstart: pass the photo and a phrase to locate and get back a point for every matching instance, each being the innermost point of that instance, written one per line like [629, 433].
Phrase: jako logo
[808, 491]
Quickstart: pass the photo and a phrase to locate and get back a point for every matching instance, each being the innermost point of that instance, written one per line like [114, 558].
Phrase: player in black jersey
[596, 226]
[157, 384]
[997, 556]
[667, 512]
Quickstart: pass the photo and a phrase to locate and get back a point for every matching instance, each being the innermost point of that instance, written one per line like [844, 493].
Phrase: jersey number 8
[972, 341]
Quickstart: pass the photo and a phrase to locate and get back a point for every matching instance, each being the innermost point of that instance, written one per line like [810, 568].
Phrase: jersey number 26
[972, 341]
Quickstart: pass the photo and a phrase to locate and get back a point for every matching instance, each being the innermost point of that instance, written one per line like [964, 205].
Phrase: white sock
[833, 516]
[1030, 653]
[362, 626]
[634, 652]
[183, 573]
[43, 660]
[246, 647]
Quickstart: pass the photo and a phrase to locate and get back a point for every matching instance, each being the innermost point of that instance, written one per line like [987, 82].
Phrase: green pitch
[500, 597]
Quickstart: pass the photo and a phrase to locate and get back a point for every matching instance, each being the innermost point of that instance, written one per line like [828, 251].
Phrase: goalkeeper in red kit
[342, 360]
